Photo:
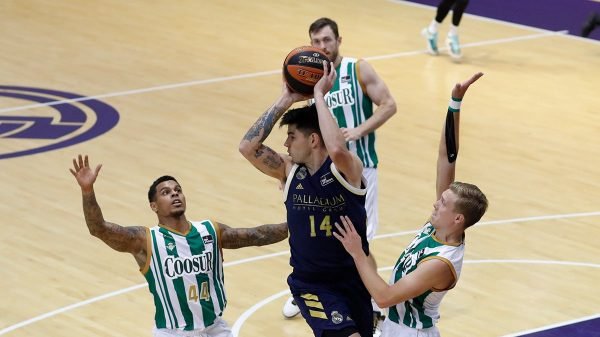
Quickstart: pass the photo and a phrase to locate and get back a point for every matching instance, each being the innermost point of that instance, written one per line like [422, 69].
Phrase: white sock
[433, 27]
[453, 30]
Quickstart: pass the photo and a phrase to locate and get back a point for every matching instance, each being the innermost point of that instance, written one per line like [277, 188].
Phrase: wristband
[454, 104]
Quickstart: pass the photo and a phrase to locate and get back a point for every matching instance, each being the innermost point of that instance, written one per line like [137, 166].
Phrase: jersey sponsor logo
[299, 187]
[67, 119]
[207, 239]
[410, 257]
[315, 200]
[178, 266]
[339, 98]
[326, 179]
[301, 173]
[345, 79]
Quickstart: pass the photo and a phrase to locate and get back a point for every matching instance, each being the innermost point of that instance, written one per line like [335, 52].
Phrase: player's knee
[345, 332]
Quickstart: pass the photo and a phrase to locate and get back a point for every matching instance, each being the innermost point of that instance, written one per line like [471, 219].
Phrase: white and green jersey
[351, 106]
[185, 276]
[423, 311]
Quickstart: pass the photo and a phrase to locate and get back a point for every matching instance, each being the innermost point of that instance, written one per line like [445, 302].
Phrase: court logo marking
[40, 130]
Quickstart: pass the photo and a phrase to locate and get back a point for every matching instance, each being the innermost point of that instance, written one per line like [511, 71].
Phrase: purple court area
[554, 15]
[587, 328]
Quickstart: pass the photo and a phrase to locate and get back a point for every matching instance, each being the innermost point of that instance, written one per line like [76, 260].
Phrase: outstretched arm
[233, 238]
[345, 161]
[123, 239]
[251, 146]
[379, 93]
[431, 274]
[448, 148]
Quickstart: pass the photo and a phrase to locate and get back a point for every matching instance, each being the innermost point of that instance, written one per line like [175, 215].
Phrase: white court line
[69, 308]
[496, 222]
[564, 33]
[262, 257]
[240, 321]
[248, 313]
[261, 74]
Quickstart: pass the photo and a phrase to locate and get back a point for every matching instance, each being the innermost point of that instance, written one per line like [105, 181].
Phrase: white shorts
[371, 204]
[393, 329]
[219, 329]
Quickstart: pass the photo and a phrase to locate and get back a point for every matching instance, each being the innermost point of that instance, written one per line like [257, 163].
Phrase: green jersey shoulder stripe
[185, 276]
[423, 311]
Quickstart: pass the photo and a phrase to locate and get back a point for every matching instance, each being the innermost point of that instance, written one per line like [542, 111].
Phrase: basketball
[303, 68]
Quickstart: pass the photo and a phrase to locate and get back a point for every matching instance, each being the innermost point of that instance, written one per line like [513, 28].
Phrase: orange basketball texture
[303, 68]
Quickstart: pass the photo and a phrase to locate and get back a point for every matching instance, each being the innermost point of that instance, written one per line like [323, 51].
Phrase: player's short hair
[321, 23]
[471, 202]
[152, 189]
[306, 119]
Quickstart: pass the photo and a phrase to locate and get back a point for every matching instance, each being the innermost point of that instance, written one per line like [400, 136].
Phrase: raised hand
[83, 173]
[460, 89]
[326, 82]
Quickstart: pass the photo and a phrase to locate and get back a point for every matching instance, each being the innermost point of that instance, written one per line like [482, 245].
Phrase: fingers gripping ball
[303, 68]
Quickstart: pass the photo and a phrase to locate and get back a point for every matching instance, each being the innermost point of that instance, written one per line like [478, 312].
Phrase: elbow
[384, 301]
[95, 231]
[245, 148]
[393, 107]
[337, 152]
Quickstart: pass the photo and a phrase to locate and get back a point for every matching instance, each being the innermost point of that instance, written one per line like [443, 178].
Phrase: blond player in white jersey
[431, 264]
[181, 260]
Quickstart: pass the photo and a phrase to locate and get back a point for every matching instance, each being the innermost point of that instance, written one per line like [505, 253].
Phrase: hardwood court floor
[206, 70]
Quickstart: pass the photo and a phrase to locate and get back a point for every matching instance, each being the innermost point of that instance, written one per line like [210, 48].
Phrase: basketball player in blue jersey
[181, 260]
[432, 262]
[352, 100]
[322, 180]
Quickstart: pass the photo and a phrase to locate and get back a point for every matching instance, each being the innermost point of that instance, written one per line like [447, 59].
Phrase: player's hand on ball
[326, 82]
[294, 96]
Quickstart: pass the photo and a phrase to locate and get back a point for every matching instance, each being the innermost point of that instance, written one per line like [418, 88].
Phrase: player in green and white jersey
[351, 100]
[181, 260]
[432, 262]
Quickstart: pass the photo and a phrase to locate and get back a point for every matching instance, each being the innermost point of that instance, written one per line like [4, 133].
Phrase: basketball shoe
[431, 41]
[453, 46]
[290, 309]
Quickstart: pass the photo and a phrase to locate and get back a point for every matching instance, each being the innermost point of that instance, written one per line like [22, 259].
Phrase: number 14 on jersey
[325, 226]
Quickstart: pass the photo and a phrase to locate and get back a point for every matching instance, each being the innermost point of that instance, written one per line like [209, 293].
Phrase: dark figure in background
[590, 24]
[431, 32]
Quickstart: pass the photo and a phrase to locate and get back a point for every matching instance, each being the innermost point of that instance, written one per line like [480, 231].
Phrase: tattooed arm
[252, 148]
[233, 238]
[123, 239]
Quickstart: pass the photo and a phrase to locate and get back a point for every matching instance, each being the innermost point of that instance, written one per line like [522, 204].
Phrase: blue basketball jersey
[314, 204]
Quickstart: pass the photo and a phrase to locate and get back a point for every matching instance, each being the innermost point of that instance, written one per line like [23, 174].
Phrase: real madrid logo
[301, 173]
[336, 317]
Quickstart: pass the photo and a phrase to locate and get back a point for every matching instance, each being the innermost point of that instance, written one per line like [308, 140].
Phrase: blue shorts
[333, 305]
